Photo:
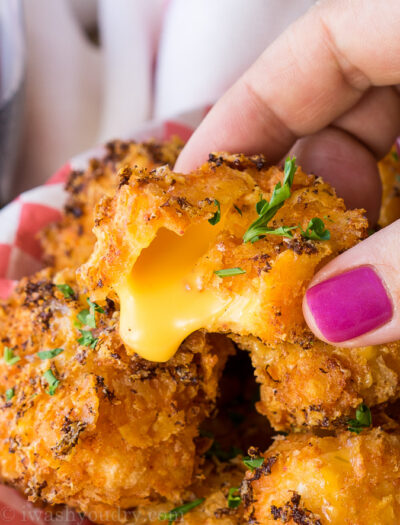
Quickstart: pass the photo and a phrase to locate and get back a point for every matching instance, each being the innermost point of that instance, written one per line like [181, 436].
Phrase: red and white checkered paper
[20, 221]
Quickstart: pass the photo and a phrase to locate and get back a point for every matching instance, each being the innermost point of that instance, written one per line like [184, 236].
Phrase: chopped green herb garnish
[87, 318]
[289, 170]
[316, 230]
[395, 156]
[52, 381]
[234, 499]
[94, 306]
[87, 339]
[237, 209]
[228, 272]
[9, 356]
[217, 215]
[49, 354]
[267, 210]
[66, 290]
[284, 231]
[363, 419]
[178, 512]
[253, 463]
[10, 393]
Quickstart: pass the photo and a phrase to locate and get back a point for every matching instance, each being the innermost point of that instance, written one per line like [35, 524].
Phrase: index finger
[314, 72]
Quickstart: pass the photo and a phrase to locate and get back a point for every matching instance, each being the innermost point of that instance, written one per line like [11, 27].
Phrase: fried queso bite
[69, 242]
[314, 384]
[170, 249]
[85, 424]
[347, 479]
[158, 217]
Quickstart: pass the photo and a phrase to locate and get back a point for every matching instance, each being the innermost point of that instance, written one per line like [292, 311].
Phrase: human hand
[326, 89]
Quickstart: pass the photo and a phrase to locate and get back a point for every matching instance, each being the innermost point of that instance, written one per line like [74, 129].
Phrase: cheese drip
[162, 300]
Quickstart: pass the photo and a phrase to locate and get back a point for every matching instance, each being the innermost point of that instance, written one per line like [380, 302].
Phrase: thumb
[355, 299]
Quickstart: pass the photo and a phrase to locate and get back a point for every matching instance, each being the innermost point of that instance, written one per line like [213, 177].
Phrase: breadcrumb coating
[68, 243]
[213, 486]
[148, 439]
[118, 431]
[346, 479]
[319, 385]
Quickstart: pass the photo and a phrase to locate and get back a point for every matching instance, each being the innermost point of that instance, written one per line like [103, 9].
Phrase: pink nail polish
[350, 304]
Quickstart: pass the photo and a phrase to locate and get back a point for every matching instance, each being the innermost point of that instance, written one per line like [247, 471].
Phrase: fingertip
[347, 165]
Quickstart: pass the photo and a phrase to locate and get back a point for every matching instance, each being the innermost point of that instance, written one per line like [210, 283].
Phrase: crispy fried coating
[68, 243]
[348, 480]
[266, 300]
[119, 431]
[214, 487]
[319, 385]
[389, 169]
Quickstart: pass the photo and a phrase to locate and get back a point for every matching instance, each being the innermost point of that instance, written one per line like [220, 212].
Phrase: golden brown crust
[319, 385]
[214, 487]
[68, 243]
[305, 383]
[389, 169]
[266, 300]
[348, 480]
[119, 431]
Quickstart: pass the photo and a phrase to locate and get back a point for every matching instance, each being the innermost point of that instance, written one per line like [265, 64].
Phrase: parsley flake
[234, 499]
[9, 356]
[363, 419]
[178, 512]
[283, 231]
[52, 381]
[267, 210]
[228, 272]
[316, 230]
[49, 354]
[10, 393]
[253, 463]
[86, 317]
[87, 339]
[238, 209]
[94, 306]
[66, 290]
[395, 156]
[217, 215]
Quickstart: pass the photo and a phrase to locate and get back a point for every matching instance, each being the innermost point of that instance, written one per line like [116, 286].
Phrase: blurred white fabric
[156, 58]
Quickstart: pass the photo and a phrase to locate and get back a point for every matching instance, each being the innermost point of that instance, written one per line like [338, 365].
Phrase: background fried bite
[68, 243]
[214, 485]
[319, 385]
[266, 300]
[347, 479]
[118, 431]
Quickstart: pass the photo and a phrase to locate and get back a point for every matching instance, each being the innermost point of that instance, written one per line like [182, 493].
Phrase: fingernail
[350, 304]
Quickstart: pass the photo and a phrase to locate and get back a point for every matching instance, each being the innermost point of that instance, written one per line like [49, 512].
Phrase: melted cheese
[162, 300]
